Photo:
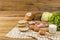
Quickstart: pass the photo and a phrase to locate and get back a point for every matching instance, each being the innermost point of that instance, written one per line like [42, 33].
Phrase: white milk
[52, 28]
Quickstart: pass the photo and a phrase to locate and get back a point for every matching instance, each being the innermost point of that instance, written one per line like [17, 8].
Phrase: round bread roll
[28, 16]
[22, 23]
[24, 29]
[28, 19]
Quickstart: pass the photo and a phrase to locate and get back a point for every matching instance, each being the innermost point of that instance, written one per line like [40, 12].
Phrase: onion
[41, 25]
[31, 22]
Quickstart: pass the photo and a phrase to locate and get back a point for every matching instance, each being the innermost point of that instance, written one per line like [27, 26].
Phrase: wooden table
[6, 24]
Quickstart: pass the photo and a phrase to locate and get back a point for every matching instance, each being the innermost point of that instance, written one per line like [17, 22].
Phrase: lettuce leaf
[55, 19]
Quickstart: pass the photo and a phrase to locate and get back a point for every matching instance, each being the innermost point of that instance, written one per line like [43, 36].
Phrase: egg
[42, 31]
[36, 29]
[31, 27]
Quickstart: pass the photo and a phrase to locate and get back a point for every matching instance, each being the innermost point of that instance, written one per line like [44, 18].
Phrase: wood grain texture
[6, 25]
[12, 10]
[16, 13]
[29, 5]
[19, 13]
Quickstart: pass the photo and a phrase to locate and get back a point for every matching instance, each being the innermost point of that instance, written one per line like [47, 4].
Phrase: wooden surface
[16, 13]
[6, 25]
[12, 10]
[30, 5]
[8, 20]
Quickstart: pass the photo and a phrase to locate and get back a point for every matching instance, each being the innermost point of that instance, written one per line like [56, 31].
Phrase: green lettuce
[55, 19]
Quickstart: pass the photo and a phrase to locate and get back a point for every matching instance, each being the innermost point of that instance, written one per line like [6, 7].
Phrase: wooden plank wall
[30, 5]
[17, 8]
[16, 13]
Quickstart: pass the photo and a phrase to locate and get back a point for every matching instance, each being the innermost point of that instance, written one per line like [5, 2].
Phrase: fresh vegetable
[39, 24]
[46, 16]
[55, 19]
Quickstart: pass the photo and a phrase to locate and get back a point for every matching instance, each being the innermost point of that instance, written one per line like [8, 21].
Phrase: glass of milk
[52, 28]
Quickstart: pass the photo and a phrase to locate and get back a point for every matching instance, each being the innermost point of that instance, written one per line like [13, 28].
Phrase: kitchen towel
[16, 33]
